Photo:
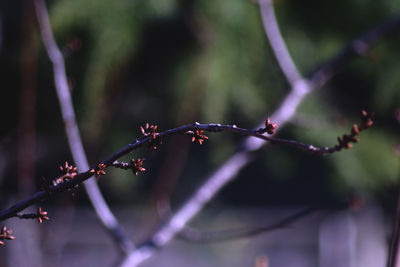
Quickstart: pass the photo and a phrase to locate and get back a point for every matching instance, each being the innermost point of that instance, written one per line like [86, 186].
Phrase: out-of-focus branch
[26, 129]
[103, 211]
[192, 235]
[277, 43]
[357, 47]
[231, 167]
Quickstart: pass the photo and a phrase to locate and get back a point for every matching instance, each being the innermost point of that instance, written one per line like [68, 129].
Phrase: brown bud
[364, 113]
[355, 130]
[368, 123]
[267, 122]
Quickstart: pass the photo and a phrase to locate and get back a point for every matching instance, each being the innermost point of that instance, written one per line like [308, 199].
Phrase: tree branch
[153, 140]
[277, 43]
[71, 128]
[192, 235]
[357, 47]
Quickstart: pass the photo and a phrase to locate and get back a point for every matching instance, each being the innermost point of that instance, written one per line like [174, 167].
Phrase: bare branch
[277, 43]
[192, 235]
[357, 47]
[228, 170]
[71, 179]
[103, 211]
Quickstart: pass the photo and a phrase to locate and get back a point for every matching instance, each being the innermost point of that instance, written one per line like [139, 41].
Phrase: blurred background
[173, 62]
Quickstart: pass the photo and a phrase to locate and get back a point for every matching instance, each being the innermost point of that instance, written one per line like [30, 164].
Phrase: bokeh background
[173, 62]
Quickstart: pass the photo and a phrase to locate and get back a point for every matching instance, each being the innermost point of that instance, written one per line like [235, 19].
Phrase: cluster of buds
[197, 135]
[366, 119]
[346, 140]
[5, 233]
[270, 127]
[135, 165]
[68, 171]
[40, 215]
[100, 170]
[151, 130]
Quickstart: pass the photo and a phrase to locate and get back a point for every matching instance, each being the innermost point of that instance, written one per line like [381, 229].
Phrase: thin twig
[192, 235]
[146, 141]
[231, 167]
[103, 211]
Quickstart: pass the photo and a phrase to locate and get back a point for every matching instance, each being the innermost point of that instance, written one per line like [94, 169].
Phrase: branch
[70, 180]
[75, 143]
[192, 235]
[277, 43]
[229, 170]
[357, 47]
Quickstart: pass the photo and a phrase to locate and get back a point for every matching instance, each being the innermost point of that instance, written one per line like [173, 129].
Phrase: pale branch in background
[71, 128]
[277, 43]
